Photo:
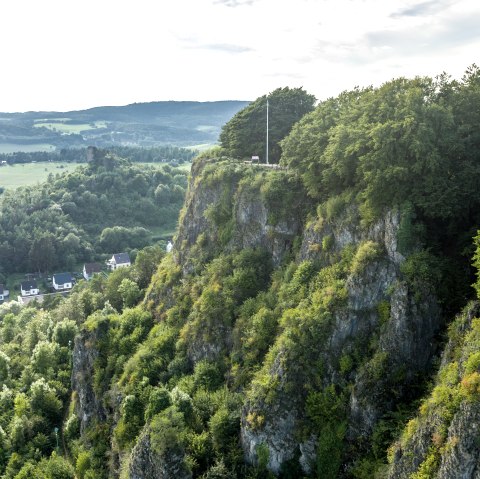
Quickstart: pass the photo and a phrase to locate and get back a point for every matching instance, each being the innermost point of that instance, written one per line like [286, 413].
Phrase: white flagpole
[267, 130]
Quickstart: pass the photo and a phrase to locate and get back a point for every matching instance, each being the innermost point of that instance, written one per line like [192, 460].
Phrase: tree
[130, 292]
[146, 263]
[245, 134]
[42, 252]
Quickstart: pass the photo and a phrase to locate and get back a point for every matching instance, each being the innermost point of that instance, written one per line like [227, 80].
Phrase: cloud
[234, 3]
[422, 9]
[225, 47]
[193, 42]
[442, 36]
[458, 30]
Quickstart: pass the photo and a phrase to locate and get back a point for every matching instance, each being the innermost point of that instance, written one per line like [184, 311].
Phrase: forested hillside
[156, 154]
[107, 206]
[179, 123]
[315, 319]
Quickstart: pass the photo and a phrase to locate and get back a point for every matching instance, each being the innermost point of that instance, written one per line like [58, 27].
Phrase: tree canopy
[409, 140]
[101, 208]
[245, 134]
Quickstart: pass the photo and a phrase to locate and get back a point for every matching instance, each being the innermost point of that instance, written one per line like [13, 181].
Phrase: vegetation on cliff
[297, 328]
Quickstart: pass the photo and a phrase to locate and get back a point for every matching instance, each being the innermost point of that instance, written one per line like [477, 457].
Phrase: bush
[366, 253]
[225, 427]
[158, 401]
[167, 430]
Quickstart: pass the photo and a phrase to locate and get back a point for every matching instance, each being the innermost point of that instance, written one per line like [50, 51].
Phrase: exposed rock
[254, 230]
[146, 463]
[252, 225]
[404, 342]
[462, 459]
[457, 453]
[89, 406]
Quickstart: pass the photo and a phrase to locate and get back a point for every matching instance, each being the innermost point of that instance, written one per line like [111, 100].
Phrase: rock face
[246, 206]
[403, 343]
[462, 460]
[443, 440]
[89, 405]
[145, 463]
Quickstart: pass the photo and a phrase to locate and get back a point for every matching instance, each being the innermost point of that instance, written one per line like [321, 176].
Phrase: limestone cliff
[442, 441]
[329, 351]
[399, 342]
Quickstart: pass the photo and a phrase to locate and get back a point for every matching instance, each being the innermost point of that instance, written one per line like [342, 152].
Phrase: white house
[29, 288]
[89, 269]
[119, 260]
[4, 293]
[169, 246]
[62, 281]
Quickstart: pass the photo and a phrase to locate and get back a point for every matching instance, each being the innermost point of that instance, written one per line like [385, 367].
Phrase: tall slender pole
[267, 131]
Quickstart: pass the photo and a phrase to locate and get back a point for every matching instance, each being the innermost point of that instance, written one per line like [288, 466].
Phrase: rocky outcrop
[250, 213]
[403, 341]
[89, 406]
[146, 463]
[323, 239]
[443, 440]
[253, 228]
[462, 459]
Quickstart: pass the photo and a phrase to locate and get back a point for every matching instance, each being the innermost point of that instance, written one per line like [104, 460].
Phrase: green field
[67, 128]
[14, 147]
[31, 173]
[201, 146]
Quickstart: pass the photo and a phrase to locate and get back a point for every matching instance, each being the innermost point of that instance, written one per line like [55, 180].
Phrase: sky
[60, 55]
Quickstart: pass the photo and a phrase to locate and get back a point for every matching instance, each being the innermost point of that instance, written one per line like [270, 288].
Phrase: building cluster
[64, 282]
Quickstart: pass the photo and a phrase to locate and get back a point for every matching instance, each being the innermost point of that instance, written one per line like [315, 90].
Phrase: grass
[23, 174]
[202, 146]
[69, 129]
[162, 232]
[14, 147]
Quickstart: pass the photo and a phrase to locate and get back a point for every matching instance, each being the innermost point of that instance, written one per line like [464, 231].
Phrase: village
[62, 283]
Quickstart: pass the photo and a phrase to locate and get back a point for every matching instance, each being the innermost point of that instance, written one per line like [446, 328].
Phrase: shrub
[158, 401]
[167, 430]
[366, 253]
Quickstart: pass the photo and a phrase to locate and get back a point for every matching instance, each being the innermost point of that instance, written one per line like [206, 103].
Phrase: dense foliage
[105, 207]
[36, 368]
[228, 341]
[409, 140]
[245, 134]
[165, 154]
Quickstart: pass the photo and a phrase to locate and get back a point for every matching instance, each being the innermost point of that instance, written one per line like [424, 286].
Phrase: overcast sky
[65, 54]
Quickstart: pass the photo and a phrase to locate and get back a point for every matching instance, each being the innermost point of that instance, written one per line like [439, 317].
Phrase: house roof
[121, 258]
[28, 285]
[91, 268]
[62, 278]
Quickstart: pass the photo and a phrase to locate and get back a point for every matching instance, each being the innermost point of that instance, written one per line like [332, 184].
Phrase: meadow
[14, 147]
[62, 126]
[22, 174]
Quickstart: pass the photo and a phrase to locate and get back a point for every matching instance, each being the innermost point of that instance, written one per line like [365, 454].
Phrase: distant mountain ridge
[180, 123]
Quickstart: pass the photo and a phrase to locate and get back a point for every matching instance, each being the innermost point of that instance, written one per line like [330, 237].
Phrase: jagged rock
[405, 342]
[457, 455]
[89, 406]
[252, 227]
[146, 463]
[462, 459]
